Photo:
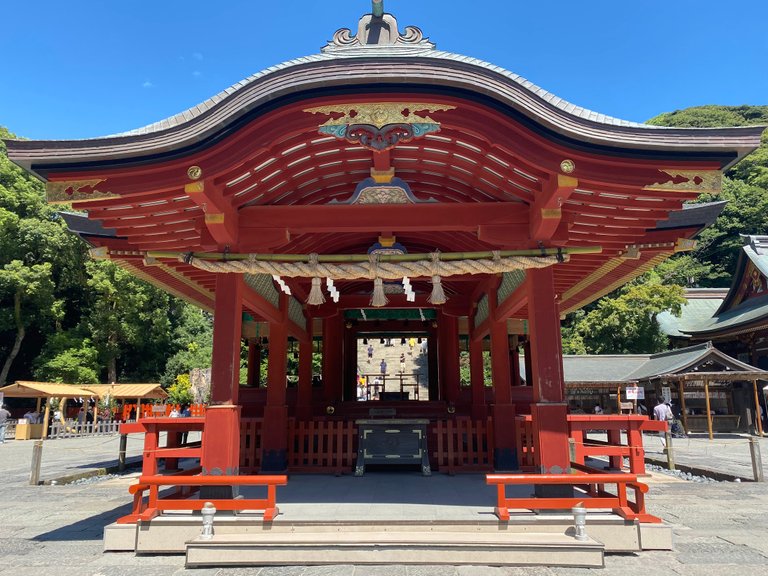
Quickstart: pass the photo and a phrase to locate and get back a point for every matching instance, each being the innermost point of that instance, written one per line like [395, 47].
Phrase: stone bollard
[580, 522]
[208, 512]
[757, 460]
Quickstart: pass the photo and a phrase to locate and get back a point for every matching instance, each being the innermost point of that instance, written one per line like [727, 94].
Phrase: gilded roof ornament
[378, 30]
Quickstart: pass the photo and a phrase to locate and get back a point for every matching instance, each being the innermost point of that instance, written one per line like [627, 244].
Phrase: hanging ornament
[315, 297]
[378, 298]
[438, 295]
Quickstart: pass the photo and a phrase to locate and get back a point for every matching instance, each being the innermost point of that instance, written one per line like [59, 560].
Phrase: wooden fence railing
[72, 429]
[322, 446]
[461, 445]
[250, 445]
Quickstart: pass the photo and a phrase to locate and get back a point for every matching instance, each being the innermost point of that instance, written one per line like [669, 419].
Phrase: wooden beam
[221, 219]
[546, 211]
[391, 217]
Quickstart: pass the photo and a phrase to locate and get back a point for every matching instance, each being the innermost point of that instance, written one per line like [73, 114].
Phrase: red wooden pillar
[254, 362]
[505, 451]
[221, 438]
[304, 401]
[332, 357]
[549, 409]
[448, 357]
[274, 432]
[432, 363]
[476, 372]
[514, 361]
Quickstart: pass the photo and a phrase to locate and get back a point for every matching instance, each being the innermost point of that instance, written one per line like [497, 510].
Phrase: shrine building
[385, 189]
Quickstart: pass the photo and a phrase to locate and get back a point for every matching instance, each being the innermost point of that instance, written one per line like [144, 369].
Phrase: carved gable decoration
[378, 30]
[379, 125]
[753, 284]
[74, 191]
[701, 181]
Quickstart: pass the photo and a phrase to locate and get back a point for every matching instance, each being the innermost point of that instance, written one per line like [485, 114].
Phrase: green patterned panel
[482, 310]
[296, 312]
[263, 285]
[509, 283]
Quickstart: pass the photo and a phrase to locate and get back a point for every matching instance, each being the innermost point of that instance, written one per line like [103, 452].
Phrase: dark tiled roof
[83, 227]
[620, 368]
[693, 215]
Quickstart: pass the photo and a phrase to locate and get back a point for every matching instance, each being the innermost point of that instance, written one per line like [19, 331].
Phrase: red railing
[461, 445]
[593, 493]
[321, 446]
[155, 505]
[632, 426]
[149, 410]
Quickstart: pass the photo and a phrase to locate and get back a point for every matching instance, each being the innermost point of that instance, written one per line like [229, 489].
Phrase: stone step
[310, 548]
[169, 533]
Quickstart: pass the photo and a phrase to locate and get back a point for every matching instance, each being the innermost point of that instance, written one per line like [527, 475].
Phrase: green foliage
[745, 189]
[180, 392]
[68, 357]
[626, 323]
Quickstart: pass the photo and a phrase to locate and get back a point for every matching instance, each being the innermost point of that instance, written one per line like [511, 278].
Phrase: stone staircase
[415, 364]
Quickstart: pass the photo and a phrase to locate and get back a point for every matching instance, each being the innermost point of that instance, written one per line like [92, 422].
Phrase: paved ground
[720, 528]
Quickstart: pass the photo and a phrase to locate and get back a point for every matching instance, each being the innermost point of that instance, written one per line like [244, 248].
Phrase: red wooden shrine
[384, 139]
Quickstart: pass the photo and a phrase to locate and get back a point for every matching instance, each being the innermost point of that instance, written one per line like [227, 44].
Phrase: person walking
[402, 363]
[370, 352]
[383, 367]
[4, 416]
[663, 413]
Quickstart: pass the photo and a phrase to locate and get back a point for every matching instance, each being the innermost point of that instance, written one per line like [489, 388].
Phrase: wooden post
[221, 446]
[304, 396]
[275, 427]
[37, 459]
[121, 452]
[46, 418]
[618, 399]
[254, 363]
[757, 460]
[448, 342]
[668, 449]
[684, 411]
[757, 410]
[477, 377]
[709, 411]
[549, 410]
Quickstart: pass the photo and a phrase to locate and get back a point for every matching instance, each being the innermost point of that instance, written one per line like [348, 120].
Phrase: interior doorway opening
[393, 367]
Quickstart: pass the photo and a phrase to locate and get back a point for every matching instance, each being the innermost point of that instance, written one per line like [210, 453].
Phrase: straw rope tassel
[378, 298]
[438, 294]
[315, 297]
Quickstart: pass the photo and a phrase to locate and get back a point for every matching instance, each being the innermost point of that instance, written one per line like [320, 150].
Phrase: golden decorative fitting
[194, 172]
[685, 245]
[330, 410]
[214, 218]
[99, 253]
[383, 195]
[194, 187]
[551, 213]
[701, 181]
[382, 176]
[568, 166]
[379, 114]
[387, 241]
[76, 191]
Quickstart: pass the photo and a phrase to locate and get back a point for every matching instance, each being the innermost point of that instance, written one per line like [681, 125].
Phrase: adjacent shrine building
[385, 174]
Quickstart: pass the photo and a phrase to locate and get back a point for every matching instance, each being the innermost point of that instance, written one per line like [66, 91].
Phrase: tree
[626, 323]
[68, 357]
[124, 312]
[31, 290]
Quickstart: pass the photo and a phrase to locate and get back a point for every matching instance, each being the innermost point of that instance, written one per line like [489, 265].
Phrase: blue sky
[85, 68]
